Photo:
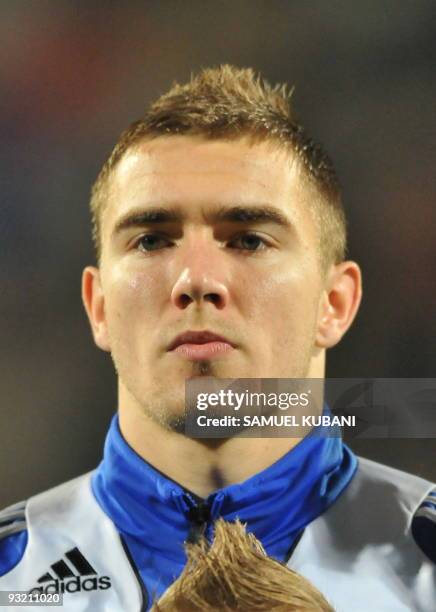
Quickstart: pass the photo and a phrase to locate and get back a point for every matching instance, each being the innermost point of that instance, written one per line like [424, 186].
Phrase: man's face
[207, 236]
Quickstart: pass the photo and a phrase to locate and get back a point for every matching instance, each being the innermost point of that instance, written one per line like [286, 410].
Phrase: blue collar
[155, 515]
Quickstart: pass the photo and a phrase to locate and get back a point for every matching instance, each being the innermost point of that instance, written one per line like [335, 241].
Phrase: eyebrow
[252, 214]
[234, 214]
[151, 216]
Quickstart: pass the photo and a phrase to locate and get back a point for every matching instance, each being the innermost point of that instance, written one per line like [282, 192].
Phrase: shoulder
[389, 485]
[12, 519]
[389, 505]
[61, 500]
[17, 519]
[13, 536]
[365, 548]
[424, 525]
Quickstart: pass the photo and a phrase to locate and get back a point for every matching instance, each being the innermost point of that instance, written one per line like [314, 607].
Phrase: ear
[339, 303]
[93, 300]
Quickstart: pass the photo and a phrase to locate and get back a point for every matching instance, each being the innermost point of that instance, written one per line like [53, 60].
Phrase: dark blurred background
[73, 74]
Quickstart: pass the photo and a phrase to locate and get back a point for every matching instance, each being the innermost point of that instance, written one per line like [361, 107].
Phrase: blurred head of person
[234, 574]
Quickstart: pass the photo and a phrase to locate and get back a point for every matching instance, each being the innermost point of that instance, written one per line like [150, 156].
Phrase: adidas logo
[71, 575]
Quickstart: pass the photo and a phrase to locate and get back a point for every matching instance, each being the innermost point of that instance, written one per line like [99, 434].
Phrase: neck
[201, 466]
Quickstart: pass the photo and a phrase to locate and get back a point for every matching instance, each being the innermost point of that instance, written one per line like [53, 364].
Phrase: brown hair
[230, 103]
[235, 574]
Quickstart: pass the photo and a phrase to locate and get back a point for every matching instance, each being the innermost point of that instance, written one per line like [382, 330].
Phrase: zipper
[199, 516]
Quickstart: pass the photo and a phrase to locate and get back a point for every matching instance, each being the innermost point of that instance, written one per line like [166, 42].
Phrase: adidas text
[74, 585]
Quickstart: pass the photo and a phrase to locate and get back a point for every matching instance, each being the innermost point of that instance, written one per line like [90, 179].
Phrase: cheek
[132, 298]
[283, 303]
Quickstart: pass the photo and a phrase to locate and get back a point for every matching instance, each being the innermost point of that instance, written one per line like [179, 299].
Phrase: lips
[200, 345]
[193, 337]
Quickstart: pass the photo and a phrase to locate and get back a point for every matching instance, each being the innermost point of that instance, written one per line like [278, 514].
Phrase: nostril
[184, 300]
[215, 299]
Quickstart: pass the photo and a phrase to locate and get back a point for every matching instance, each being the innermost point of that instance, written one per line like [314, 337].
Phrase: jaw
[317, 364]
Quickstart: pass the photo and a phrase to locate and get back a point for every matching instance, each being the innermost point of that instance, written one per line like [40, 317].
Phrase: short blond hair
[230, 103]
[235, 574]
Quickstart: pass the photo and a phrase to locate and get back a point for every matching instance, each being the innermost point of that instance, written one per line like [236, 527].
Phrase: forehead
[194, 173]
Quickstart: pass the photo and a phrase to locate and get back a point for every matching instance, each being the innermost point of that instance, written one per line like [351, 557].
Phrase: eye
[248, 242]
[152, 242]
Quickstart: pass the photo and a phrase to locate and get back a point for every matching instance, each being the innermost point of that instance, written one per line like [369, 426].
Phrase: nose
[200, 280]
